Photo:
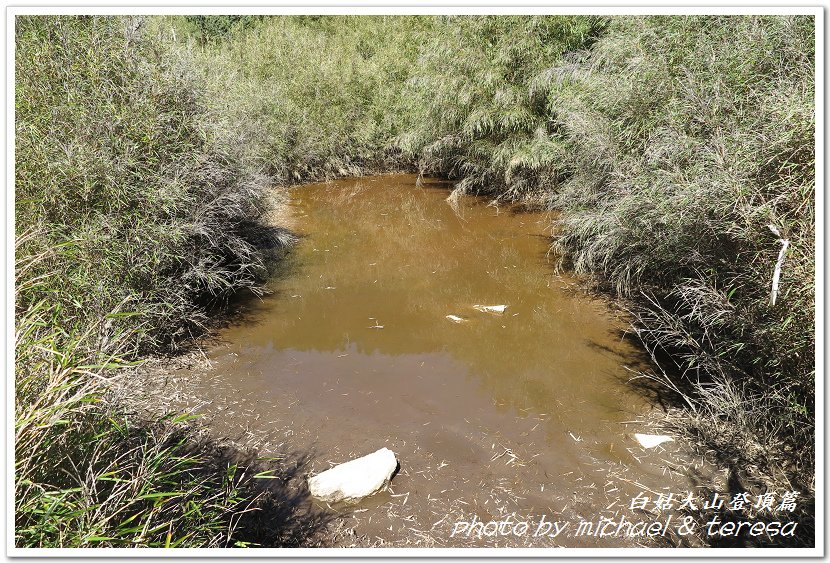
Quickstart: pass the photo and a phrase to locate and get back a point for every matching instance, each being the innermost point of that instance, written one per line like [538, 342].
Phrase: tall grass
[89, 473]
[689, 138]
[133, 218]
[86, 475]
[119, 160]
[474, 119]
[312, 97]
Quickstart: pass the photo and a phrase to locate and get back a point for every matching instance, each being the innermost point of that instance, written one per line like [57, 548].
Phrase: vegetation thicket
[313, 97]
[133, 218]
[707, 166]
[473, 115]
[679, 152]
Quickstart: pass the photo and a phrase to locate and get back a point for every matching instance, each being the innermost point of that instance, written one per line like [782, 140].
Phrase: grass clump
[134, 217]
[89, 473]
[119, 162]
[84, 476]
[474, 118]
[313, 97]
[704, 164]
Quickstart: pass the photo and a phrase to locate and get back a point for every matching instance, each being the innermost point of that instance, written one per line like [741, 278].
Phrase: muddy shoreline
[163, 386]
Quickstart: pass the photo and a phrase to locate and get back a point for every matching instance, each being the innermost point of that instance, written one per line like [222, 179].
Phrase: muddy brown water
[526, 414]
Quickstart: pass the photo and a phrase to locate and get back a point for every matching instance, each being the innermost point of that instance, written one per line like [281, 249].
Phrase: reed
[133, 221]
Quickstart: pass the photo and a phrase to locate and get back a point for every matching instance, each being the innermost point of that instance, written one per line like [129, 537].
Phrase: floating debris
[652, 440]
[456, 319]
[495, 309]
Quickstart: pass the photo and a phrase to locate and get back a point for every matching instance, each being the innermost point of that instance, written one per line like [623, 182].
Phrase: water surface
[516, 413]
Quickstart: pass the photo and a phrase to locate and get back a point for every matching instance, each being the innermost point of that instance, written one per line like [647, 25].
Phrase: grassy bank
[134, 220]
[679, 152]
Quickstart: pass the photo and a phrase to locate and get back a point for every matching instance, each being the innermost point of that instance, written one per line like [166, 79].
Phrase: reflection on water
[354, 351]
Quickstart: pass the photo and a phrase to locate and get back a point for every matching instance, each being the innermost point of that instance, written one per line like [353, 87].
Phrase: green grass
[85, 474]
[133, 220]
[474, 117]
[312, 97]
[707, 140]
[90, 474]
[120, 164]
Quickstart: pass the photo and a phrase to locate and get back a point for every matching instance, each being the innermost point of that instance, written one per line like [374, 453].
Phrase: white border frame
[428, 7]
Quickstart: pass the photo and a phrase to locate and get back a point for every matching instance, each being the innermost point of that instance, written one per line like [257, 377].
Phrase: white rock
[353, 480]
[652, 440]
[456, 319]
[497, 309]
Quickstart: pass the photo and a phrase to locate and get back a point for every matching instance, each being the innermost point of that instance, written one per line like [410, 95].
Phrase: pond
[370, 337]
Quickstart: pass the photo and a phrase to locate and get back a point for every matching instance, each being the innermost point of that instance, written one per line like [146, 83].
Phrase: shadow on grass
[282, 514]
[114, 479]
[243, 306]
[274, 508]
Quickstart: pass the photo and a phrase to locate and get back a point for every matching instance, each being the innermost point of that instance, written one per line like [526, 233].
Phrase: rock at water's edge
[356, 479]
